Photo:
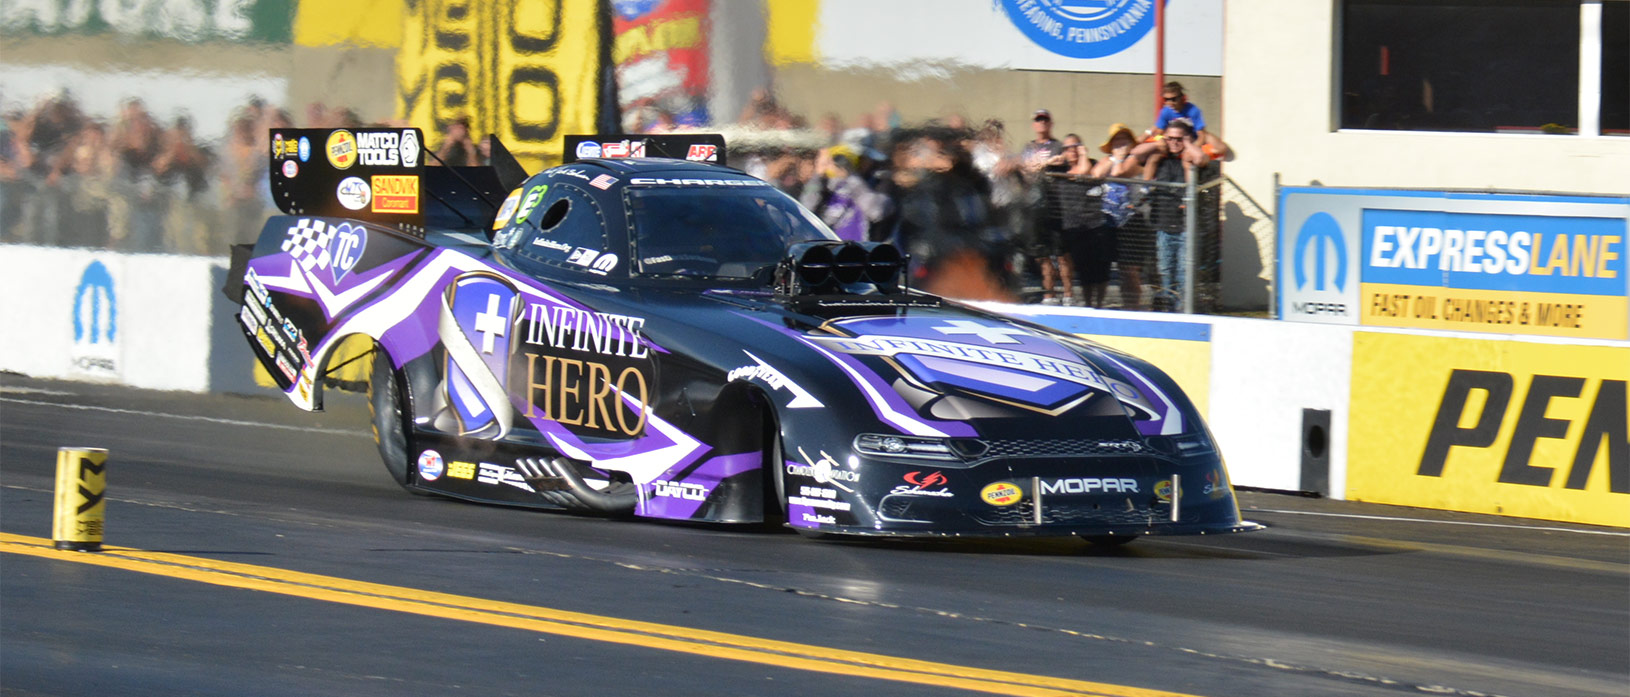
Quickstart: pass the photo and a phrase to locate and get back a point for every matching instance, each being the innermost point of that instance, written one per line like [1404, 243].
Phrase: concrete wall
[1279, 92]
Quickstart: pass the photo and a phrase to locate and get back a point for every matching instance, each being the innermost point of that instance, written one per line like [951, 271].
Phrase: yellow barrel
[81, 483]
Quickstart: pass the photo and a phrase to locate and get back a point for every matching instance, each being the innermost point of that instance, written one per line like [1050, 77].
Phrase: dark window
[717, 232]
[1461, 65]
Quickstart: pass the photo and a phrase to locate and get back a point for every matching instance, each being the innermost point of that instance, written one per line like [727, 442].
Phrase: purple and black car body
[659, 338]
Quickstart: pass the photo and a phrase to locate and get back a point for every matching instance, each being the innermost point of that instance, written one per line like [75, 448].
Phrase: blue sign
[1082, 28]
[1491, 251]
[1316, 231]
[95, 287]
[305, 148]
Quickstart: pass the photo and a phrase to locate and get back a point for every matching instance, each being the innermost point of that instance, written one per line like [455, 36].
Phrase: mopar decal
[1089, 485]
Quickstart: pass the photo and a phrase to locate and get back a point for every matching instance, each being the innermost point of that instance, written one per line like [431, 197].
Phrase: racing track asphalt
[236, 497]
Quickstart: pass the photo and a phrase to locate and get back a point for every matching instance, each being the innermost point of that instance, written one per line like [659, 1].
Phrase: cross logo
[490, 324]
[989, 334]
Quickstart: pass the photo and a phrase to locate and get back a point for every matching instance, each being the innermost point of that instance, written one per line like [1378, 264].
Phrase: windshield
[716, 232]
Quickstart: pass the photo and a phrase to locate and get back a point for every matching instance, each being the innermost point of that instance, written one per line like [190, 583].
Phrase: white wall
[1279, 76]
[159, 311]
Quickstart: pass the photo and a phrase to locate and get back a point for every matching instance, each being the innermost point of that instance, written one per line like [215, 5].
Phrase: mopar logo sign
[1319, 233]
[96, 323]
[1082, 28]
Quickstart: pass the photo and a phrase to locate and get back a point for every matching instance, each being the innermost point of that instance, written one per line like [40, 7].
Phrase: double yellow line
[578, 625]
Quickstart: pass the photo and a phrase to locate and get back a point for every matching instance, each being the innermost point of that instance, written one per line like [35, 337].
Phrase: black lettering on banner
[534, 127]
[1446, 431]
[449, 93]
[531, 42]
[1608, 419]
[453, 14]
[1532, 425]
[91, 499]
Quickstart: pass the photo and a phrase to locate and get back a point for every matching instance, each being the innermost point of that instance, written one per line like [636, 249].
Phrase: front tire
[388, 406]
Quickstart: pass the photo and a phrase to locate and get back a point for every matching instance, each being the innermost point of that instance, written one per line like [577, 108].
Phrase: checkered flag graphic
[308, 243]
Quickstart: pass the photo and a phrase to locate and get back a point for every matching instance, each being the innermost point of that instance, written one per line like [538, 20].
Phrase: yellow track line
[575, 624]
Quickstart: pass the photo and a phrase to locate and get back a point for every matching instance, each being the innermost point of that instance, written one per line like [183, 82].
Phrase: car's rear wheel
[388, 405]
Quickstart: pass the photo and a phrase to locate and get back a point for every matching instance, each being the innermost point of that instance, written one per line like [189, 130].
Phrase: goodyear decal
[1513, 428]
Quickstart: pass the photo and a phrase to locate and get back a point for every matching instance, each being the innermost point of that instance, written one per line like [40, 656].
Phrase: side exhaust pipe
[557, 481]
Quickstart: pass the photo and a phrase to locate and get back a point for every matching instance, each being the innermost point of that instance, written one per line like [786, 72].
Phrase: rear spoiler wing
[696, 147]
[379, 175]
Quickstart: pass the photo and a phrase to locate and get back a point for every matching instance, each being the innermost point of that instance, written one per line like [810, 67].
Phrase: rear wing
[696, 147]
[379, 175]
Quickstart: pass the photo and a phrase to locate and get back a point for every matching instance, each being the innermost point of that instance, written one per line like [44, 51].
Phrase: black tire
[387, 405]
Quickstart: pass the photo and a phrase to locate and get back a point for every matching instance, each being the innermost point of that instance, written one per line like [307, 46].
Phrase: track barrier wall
[1516, 425]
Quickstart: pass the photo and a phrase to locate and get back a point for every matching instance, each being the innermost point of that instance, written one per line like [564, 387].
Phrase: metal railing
[1163, 238]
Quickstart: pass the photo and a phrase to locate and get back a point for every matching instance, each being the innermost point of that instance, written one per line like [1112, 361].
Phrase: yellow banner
[1482, 426]
[526, 71]
[1502, 311]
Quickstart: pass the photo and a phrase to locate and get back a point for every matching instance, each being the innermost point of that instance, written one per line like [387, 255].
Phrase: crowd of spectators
[1059, 221]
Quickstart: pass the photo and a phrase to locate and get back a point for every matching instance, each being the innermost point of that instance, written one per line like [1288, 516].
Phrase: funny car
[644, 332]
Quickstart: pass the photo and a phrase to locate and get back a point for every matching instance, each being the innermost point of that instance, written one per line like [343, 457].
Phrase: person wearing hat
[1046, 243]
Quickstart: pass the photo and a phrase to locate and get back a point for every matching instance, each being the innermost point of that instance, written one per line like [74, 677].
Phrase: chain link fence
[1139, 241]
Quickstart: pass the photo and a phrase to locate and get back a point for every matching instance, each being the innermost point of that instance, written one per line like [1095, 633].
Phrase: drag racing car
[637, 335]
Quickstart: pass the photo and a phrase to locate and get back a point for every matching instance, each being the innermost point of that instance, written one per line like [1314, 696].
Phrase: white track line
[1441, 522]
[186, 417]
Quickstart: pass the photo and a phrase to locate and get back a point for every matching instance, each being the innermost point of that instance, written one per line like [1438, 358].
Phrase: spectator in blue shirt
[1178, 105]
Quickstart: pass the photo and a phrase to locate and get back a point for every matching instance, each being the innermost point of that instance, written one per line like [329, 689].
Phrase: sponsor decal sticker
[461, 470]
[1001, 494]
[345, 248]
[277, 146]
[507, 211]
[582, 256]
[533, 197]
[588, 148]
[1089, 485]
[286, 367]
[341, 149]
[290, 169]
[1163, 490]
[702, 152]
[496, 474]
[761, 371]
[679, 490]
[924, 483]
[603, 182]
[305, 148]
[395, 193]
[410, 148]
[353, 193]
[379, 148]
[431, 466]
[248, 318]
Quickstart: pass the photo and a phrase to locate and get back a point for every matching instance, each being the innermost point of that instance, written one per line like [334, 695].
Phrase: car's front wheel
[388, 405]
